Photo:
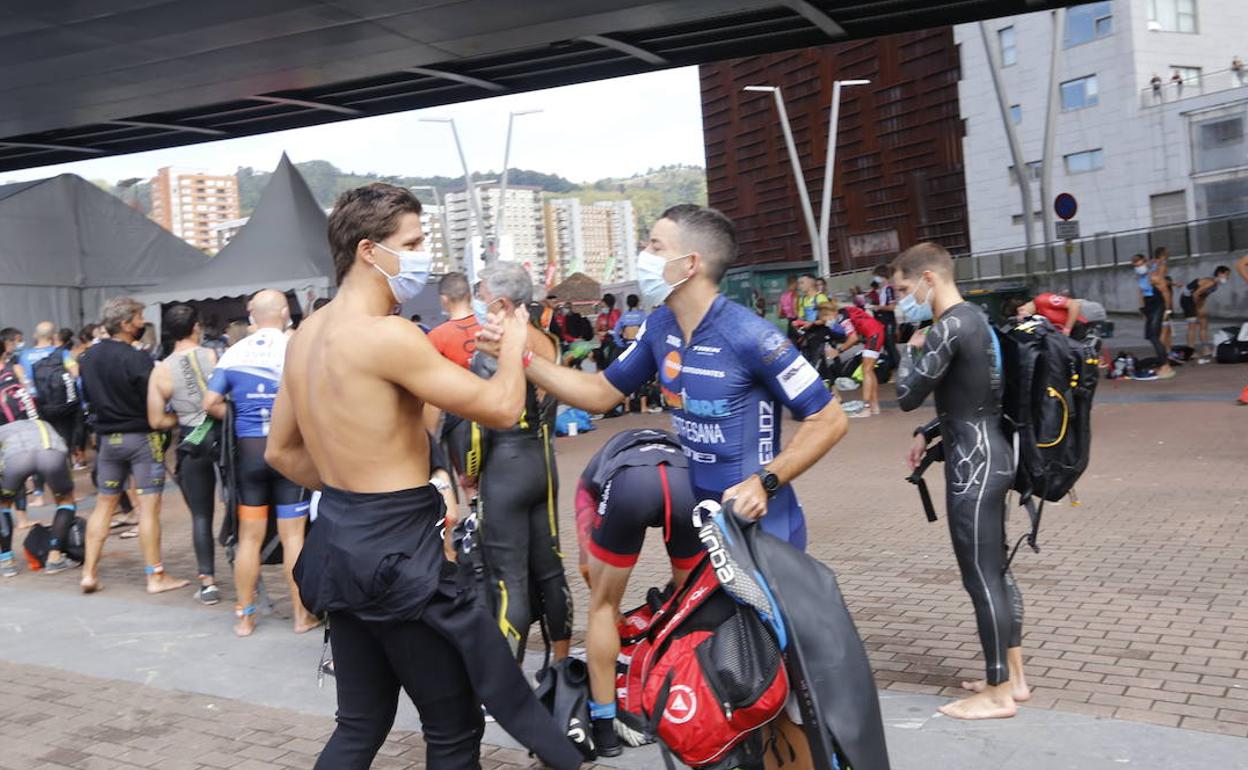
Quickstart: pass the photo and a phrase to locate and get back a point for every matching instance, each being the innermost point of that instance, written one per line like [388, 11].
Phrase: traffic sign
[1066, 231]
[1065, 206]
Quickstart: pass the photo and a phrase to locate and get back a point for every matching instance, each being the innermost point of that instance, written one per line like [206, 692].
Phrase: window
[1077, 94]
[1017, 219]
[1172, 15]
[1009, 50]
[1016, 113]
[1219, 143]
[1088, 160]
[1085, 23]
[1216, 199]
[1034, 169]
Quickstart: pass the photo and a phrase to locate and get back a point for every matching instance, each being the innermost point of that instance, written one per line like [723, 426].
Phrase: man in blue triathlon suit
[249, 373]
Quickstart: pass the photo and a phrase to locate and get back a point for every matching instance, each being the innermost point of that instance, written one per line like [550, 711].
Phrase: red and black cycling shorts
[637, 498]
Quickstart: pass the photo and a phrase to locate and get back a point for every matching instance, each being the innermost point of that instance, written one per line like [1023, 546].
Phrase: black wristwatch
[771, 482]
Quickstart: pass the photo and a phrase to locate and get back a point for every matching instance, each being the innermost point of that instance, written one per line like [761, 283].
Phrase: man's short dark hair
[65, 336]
[1139, 257]
[808, 276]
[9, 333]
[708, 232]
[370, 212]
[632, 301]
[454, 286]
[1221, 270]
[1160, 251]
[922, 257]
[609, 300]
[319, 303]
[180, 321]
[1010, 307]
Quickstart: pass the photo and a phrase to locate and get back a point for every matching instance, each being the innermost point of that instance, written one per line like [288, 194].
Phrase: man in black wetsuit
[959, 359]
[518, 484]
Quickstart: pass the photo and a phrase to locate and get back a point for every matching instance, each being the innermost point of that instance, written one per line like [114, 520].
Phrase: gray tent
[283, 246]
[66, 246]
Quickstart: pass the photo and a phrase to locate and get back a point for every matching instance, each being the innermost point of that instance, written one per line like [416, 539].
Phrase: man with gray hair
[114, 381]
[518, 485]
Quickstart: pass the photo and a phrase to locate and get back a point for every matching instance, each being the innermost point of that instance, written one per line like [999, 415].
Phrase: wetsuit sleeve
[786, 374]
[930, 431]
[635, 366]
[917, 376]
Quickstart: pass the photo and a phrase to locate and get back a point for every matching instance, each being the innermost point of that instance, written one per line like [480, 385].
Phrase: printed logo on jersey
[671, 367]
[773, 346]
[796, 377]
[705, 433]
[700, 372]
[706, 350]
[766, 432]
[706, 458]
[703, 407]
[673, 340]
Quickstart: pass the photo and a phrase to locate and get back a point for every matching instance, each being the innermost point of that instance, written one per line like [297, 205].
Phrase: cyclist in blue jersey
[249, 374]
[725, 372]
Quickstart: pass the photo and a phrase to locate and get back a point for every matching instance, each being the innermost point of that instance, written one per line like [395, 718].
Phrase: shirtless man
[348, 422]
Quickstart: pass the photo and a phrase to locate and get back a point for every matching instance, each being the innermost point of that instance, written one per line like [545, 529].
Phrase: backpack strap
[1033, 512]
[192, 357]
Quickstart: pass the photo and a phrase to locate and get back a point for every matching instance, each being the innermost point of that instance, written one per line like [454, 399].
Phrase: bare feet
[246, 624]
[160, 582]
[90, 585]
[985, 705]
[1021, 692]
[305, 622]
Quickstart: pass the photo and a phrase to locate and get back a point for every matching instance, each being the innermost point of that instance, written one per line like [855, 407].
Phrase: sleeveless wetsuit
[725, 388]
[961, 363]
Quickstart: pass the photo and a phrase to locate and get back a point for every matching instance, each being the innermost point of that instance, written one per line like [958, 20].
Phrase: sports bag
[58, 393]
[707, 675]
[1050, 380]
[38, 543]
[15, 400]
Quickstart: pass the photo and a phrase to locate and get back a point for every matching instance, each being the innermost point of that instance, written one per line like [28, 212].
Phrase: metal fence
[1186, 239]
[1197, 85]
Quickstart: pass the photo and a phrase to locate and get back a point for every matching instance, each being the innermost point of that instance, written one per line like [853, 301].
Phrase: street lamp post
[825, 210]
[802, 192]
[446, 229]
[502, 188]
[469, 189]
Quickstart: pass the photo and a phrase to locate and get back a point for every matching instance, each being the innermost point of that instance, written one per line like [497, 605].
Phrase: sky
[585, 132]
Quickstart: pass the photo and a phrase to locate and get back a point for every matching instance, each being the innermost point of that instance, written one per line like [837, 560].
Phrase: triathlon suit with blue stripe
[249, 374]
[961, 363]
[726, 386]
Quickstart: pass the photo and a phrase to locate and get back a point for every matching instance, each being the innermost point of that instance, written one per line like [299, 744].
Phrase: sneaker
[860, 414]
[1144, 377]
[606, 742]
[208, 595]
[846, 383]
[53, 567]
[8, 568]
[854, 406]
[655, 410]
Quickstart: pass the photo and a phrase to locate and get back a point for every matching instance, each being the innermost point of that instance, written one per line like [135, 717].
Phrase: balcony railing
[1198, 85]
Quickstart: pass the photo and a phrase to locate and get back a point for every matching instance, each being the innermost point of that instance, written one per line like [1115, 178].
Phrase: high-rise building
[898, 170]
[599, 240]
[523, 231]
[435, 240]
[1152, 121]
[189, 203]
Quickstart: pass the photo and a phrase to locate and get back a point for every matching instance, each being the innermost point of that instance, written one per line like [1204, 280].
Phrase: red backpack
[707, 673]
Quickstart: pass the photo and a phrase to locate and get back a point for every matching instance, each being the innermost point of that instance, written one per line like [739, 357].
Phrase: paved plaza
[1136, 631]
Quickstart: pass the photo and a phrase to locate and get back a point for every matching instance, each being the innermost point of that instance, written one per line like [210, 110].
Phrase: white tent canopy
[66, 247]
[283, 246]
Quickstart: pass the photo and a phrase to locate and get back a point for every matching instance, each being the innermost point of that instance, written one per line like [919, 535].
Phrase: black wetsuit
[519, 494]
[961, 362]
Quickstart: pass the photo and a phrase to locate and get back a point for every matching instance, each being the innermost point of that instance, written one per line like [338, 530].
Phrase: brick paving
[1137, 606]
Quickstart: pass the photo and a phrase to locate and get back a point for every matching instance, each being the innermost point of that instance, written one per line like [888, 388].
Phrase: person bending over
[859, 326]
[1193, 298]
[959, 359]
[638, 480]
[1061, 311]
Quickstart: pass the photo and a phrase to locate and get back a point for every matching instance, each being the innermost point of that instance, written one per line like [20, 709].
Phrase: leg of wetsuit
[978, 472]
[550, 584]
[511, 485]
[197, 479]
[61, 522]
[6, 532]
[1154, 317]
[434, 676]
[368, 695]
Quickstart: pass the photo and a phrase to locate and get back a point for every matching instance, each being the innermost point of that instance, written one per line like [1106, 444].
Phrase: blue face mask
[481, 309]
[914, 311]
[414, 267]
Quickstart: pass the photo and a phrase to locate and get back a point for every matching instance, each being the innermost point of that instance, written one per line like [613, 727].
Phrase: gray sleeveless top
[190, 382]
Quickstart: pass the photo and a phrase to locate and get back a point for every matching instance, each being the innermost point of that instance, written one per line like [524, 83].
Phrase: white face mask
[654, 287]
[414, 267]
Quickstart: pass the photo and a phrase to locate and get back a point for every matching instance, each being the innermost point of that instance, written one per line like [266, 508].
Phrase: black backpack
[38, 543]
[1050, 380]
[57, 393]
